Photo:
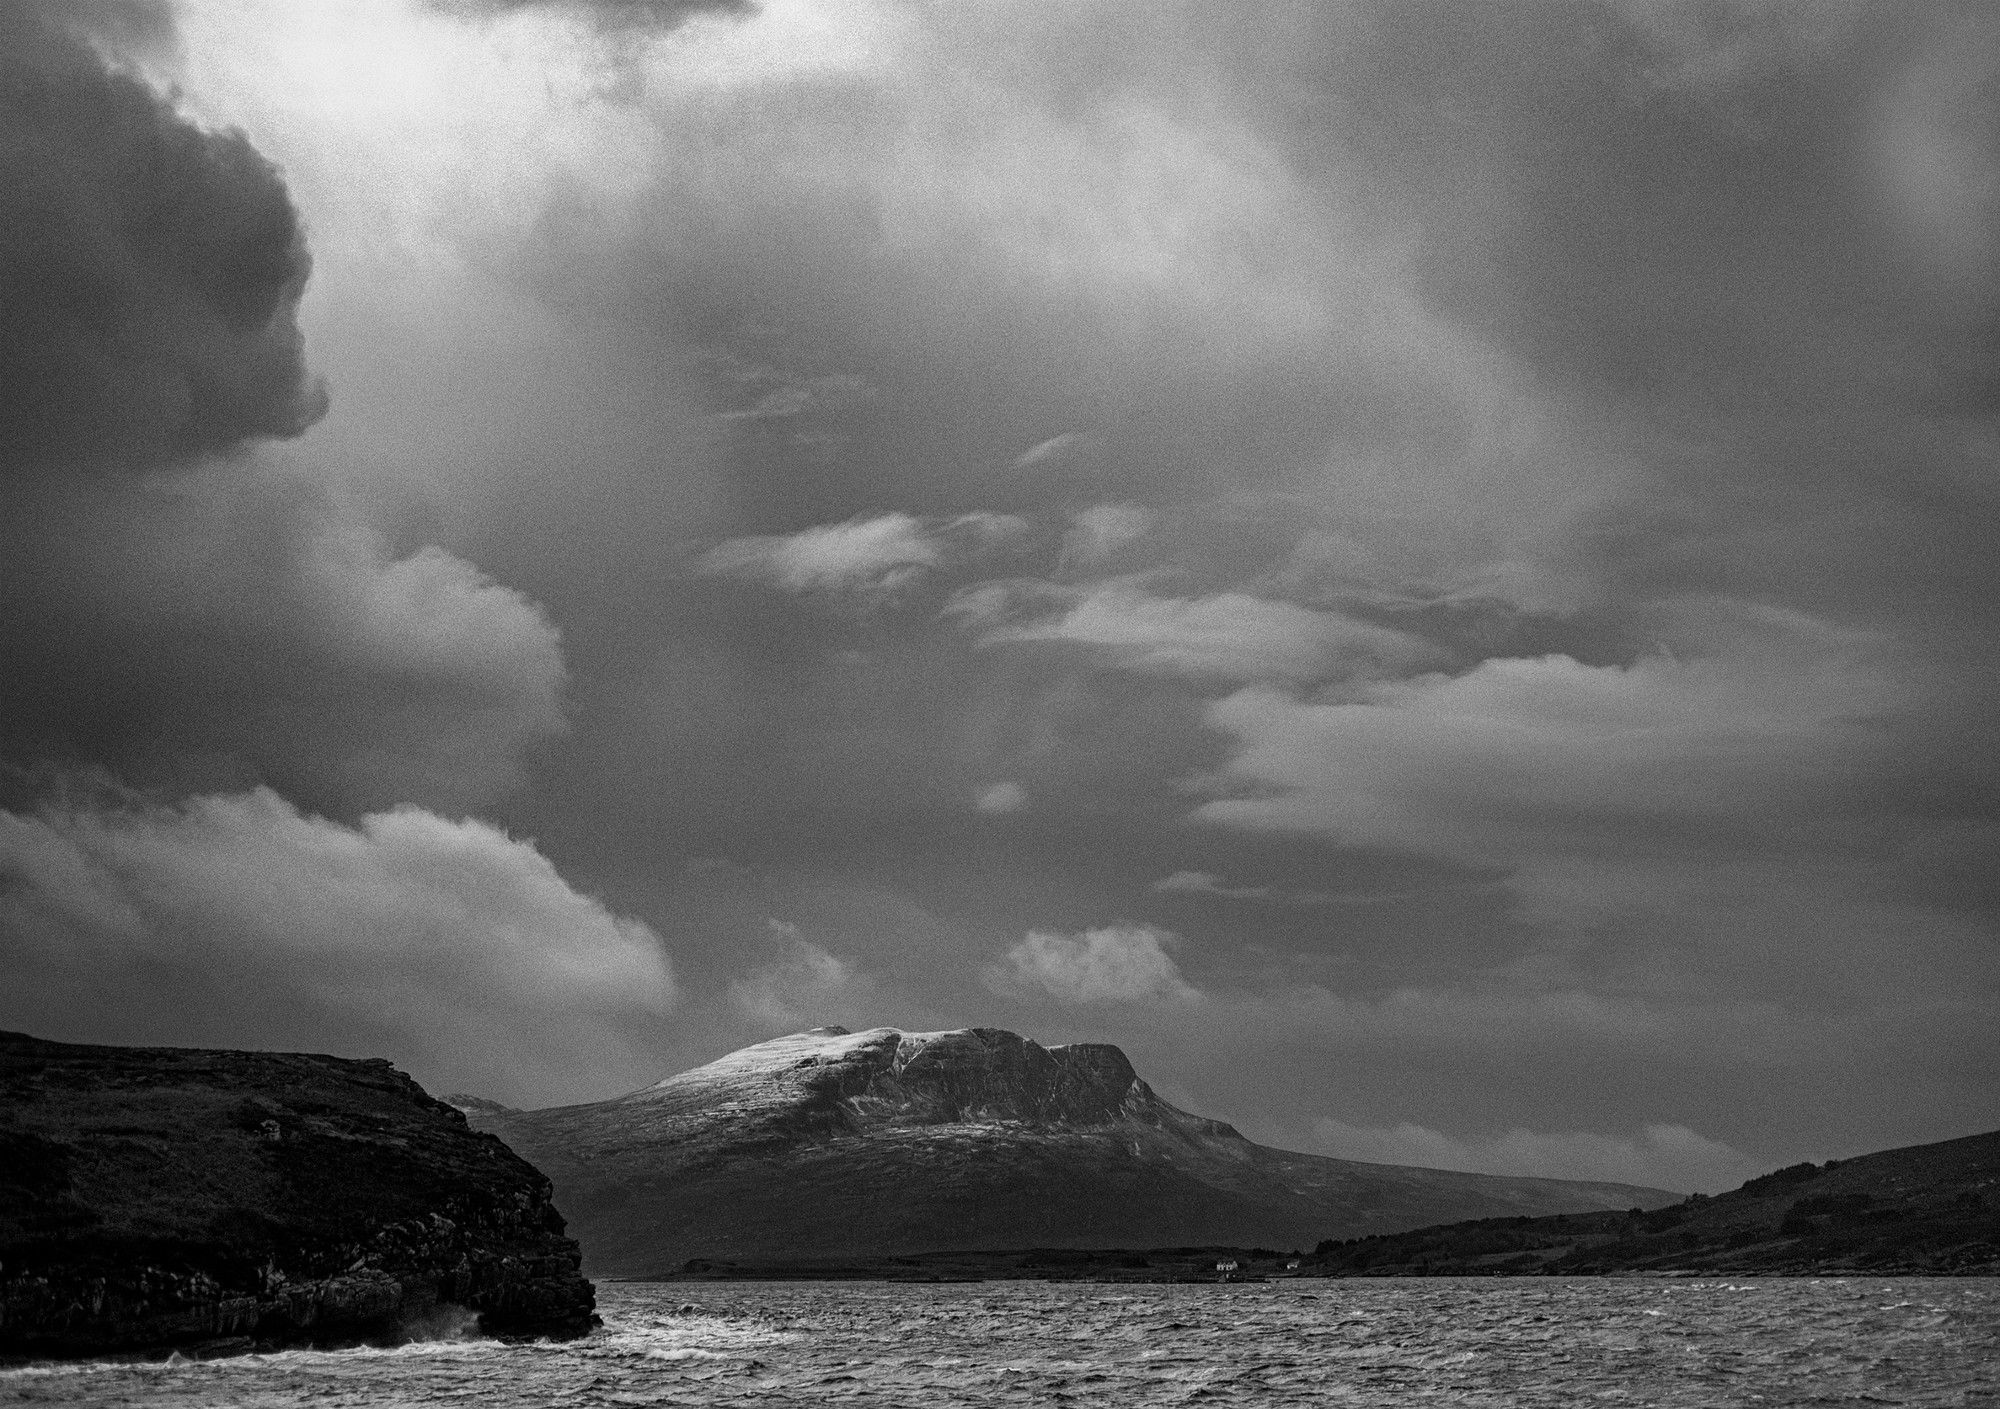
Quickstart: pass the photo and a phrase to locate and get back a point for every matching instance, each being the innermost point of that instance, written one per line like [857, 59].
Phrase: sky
[1426, 568]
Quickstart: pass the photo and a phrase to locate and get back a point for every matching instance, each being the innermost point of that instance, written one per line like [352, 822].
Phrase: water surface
[1443, 1341]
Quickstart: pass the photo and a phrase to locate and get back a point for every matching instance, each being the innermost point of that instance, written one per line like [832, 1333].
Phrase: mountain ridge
[830, 1142]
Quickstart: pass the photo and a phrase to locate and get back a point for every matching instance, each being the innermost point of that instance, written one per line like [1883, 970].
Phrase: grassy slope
[1922, 1209]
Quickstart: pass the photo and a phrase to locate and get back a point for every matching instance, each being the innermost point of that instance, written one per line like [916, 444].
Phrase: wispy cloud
[1101, 530]
[1222, 636]
[1054, 450]
[806, 987]
[658, 15]
[1211, 883]
[864, 558]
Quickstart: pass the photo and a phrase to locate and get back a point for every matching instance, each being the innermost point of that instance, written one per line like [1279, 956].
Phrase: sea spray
[444, 1321]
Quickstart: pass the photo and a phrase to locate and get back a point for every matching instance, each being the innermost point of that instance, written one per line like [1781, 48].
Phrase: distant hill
[831, 1144]
[1923, 1209]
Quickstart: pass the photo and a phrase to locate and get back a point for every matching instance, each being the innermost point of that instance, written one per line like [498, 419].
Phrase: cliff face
[153, 1198]
[829, 1143]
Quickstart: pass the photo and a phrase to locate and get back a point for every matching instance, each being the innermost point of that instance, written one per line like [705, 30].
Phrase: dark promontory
[836, 1145]
[166, 1198]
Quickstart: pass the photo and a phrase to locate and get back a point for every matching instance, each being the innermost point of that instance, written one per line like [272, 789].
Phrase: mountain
[157, 1198]
[1919, 1210]
[831, 1143]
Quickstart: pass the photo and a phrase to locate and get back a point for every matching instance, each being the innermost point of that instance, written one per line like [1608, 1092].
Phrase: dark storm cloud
[190, 615]
[1718, 208]
[1757, 243]
[150, 271]
[1512, 484]
[229, 622]
[230, 625]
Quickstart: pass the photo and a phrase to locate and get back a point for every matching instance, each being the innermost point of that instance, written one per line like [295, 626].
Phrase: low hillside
[1924, 1209]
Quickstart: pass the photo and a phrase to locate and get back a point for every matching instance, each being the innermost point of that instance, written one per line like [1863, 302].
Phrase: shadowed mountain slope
[1921, 1209]
[829, 1143]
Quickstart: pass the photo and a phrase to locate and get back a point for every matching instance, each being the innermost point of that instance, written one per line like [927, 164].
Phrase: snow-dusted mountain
[831, 1143]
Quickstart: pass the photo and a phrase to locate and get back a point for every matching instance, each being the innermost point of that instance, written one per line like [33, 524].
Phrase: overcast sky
[1428, 568]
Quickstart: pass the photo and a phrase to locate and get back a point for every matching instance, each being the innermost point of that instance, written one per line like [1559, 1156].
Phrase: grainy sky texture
[1427, 567]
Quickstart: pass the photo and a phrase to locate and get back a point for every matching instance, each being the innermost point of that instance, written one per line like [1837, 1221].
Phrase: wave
[688, 1352]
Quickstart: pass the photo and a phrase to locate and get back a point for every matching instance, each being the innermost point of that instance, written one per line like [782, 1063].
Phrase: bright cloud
[867, 555]
[1480, 766]
[1115, 964]
[864, 557]
[1226, 635]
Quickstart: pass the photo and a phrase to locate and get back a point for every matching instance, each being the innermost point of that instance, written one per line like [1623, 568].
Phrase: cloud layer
[1659, 1156]
[209, 614]
[1475, 765]
[228, 626]
[235, 918]
[1494, 507]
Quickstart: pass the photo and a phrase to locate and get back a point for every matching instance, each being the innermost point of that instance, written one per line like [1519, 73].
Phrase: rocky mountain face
[161, 1198]
[833, 1144]
[1923, 1210]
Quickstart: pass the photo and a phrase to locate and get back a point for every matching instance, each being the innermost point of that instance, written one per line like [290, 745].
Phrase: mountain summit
[833, 1143]
[885, 1077]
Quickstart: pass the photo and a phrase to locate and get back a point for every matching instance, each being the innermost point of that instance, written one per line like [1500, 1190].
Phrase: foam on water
[444, 1322]
[1514, 1343]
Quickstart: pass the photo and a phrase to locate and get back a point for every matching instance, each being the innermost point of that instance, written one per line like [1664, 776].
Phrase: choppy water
[1440, 1341]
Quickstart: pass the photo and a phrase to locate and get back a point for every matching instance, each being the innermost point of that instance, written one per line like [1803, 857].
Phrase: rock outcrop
[165, 1198]
[836, 1144]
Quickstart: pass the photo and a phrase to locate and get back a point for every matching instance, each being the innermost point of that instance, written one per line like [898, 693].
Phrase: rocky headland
[1922, 1210]
[836, 1145]
[156, 1199]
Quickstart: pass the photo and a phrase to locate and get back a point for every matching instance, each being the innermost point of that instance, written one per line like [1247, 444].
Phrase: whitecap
[688, 1352]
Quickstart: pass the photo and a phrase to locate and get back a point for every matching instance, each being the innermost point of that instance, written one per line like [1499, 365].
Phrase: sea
[1429, 1341]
